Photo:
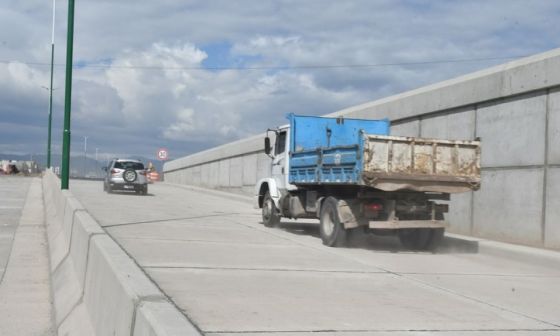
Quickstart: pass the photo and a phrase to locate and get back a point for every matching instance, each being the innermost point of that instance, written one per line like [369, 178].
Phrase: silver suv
[124, 174]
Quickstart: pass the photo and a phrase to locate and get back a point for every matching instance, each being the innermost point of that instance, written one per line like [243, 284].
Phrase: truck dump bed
[361, 152]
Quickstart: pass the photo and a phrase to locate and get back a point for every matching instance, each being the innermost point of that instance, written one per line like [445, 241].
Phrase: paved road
[230, 275]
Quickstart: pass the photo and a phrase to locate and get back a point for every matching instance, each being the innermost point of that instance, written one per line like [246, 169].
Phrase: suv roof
[126, 160]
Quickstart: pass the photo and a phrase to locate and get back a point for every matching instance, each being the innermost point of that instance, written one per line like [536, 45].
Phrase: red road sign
[162, 154]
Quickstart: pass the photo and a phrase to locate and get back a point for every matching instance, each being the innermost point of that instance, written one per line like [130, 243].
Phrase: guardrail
[97, 288]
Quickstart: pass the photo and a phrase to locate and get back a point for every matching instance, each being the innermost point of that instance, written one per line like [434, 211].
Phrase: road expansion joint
[256, 269]
[537, 276]
[164, 294]
[218, 242]
[170, 219]
[456, 293]
[340, 253]
[320, 331]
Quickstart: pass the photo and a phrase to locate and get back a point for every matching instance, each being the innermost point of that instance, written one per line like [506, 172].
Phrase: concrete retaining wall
[514, 108]
[97, 288]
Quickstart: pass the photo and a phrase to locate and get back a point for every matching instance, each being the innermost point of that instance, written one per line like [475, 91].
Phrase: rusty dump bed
[394, 163]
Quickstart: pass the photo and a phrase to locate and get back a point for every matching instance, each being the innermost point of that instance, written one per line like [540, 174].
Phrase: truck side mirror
[267, 147]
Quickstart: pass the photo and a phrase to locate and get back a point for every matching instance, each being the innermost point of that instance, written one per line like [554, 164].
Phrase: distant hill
[78, 166]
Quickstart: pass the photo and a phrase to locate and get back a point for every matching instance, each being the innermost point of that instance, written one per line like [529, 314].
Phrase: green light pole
[51, 89]
[67, 99]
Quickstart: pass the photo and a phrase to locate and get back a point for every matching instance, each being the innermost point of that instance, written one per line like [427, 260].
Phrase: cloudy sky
[188, 75]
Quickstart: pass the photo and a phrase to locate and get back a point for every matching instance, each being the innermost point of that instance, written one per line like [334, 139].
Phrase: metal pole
[67, 99]
[96, 163]
[51, 89]
[85, 155]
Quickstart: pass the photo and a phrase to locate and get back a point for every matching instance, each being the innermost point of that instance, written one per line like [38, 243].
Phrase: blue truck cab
[329, 150]
[357, 178]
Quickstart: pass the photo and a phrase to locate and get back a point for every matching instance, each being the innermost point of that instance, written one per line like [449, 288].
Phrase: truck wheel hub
[328, 223]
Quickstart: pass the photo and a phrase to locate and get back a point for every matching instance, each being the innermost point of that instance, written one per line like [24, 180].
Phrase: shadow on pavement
[366, 241]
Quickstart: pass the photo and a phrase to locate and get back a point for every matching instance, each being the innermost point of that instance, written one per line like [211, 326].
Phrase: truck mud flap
[346, 214]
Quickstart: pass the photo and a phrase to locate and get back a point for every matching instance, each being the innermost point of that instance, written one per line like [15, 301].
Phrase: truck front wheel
[270, 215]
[332, 231]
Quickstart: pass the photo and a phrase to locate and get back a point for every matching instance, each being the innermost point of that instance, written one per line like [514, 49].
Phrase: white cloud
[153, 96]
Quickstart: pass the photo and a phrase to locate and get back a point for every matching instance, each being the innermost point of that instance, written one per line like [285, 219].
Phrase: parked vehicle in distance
[356, 178]
[125, 174]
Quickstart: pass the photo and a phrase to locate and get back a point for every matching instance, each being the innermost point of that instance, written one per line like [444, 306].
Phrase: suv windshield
[129, 165]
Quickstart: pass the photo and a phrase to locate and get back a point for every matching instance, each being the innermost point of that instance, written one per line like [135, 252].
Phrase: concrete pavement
[12, 198]
[25, 300]
[228, 274]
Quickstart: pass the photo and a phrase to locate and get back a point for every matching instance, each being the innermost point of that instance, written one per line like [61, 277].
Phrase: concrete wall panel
[457, 126]
[214, 174]
[461, 125]
[434, 127]
[554, 127]
[552, 227]
[114, 284]
[223, 176]
[205, 175]
[513, 131]
[410, 128]
[459, 215]
[508, 206]
[263, 166]
[511, 104]
[249, 169]
[161, 318]
[235, 172]
[187, 177]
[196, 175]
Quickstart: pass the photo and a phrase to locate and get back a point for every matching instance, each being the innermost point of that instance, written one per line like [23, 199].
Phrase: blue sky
[146, 78]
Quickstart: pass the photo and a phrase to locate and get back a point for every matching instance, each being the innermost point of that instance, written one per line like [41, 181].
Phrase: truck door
[279, 161]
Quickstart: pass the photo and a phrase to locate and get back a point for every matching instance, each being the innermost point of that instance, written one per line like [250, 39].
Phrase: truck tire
[424, 239]
[270, 214]
[332, 231]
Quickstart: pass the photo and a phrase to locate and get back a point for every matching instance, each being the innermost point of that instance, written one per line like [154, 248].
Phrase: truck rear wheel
[332, 231]
[270, 215]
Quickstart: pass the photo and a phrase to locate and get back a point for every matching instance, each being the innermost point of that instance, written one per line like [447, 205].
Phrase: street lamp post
[51, 89]
[96, 163]
[65, 176]
[85, 155]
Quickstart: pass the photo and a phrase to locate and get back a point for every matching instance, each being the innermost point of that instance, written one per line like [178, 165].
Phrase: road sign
[162, 154]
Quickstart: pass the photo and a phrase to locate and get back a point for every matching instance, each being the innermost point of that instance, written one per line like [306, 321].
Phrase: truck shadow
[449, 245]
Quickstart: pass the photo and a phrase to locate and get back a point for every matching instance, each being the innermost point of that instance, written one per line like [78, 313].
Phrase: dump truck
[356, 178]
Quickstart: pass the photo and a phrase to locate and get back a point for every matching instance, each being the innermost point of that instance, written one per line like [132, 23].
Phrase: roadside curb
[532, 255]
[97, 288]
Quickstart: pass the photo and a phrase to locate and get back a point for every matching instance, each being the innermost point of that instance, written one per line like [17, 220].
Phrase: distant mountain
[79, 166]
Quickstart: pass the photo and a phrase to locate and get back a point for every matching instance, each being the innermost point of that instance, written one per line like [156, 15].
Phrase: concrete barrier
[514, 108]
[97, 288]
